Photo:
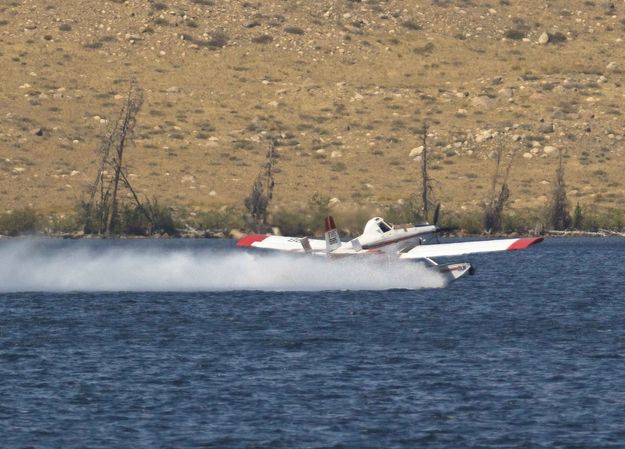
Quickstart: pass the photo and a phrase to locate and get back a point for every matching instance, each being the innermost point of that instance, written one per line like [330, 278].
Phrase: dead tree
[426, 182]
[129, 114]
[101, 212]
[559, 215]
[499, 191]
[257, 202]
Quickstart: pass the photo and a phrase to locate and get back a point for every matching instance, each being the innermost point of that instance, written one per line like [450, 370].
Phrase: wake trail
[30, 266]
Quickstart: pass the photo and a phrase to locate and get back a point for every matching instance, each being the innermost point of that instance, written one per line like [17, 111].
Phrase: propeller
[440, 230]
[437, 213]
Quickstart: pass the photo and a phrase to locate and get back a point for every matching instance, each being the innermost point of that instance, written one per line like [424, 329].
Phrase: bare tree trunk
[257, 202]
[133, 104]
[425, 180]
[493, 212]
[559, 216]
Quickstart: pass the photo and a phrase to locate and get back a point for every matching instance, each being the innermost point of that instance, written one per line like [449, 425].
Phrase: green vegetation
[304, 220]
[19, 222]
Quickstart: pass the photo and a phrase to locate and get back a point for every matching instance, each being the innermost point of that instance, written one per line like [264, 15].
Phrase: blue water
[528, 353]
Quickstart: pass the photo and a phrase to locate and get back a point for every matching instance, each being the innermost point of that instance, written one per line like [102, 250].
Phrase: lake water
[188, 344]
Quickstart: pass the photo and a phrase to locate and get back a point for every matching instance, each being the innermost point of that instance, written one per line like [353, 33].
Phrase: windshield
[384, 227]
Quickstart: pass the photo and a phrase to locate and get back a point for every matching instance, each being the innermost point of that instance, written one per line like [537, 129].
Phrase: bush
[64, 224]
[224, 219]
[515, 34]
[19, 222]
[154, 218]
[162, 220]
[292, 223]
[557, 38]
[262, 39]
[407, 213]
[294, 30]
[411, 25]
[217, 39]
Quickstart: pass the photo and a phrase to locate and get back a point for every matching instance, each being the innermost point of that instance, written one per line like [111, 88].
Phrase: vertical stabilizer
[332, 236]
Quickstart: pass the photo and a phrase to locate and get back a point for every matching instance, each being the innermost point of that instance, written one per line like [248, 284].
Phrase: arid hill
[342, 86]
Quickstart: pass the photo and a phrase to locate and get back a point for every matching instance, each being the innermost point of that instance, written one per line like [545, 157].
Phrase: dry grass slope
[342, 86]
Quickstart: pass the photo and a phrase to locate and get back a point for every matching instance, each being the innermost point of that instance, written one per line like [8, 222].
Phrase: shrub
[293, 223]
[218, 39]
[153, 219]
[515, 34]
[294, 30]
[19, 222]
[65, 27]
[262, 39]
[411, 25]
[224, 219]
[63, 224]
[557, 38]
[93, 45]
[407, 213]
[162, 220]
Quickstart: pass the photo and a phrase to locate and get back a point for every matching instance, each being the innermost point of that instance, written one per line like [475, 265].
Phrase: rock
[527, 155]
[543, 39]
[546, 128]
[506, 92]
[612, 66]
[236, 234]
[37, 132]
[187, 178]
[333, 201]
[483, 102]
[416, 151]
[549, 149]
[336, 154]
[74, 172]
[173, 90]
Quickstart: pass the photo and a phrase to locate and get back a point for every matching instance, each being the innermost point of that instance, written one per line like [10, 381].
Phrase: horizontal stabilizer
[280, 243]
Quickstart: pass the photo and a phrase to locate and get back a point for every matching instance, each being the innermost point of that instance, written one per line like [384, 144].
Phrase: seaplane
[401, 243]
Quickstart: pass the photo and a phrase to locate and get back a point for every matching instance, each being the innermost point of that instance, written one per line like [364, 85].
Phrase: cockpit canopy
[377, 226]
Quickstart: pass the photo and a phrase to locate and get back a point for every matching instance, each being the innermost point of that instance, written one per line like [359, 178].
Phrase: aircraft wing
[458, 249]
[280, 243]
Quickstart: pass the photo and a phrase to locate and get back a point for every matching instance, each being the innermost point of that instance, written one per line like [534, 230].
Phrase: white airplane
[401, 243]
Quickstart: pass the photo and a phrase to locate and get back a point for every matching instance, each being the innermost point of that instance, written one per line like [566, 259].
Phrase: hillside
[344, 87]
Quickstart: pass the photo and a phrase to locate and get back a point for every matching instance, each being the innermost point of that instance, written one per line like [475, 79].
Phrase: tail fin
[332, 236]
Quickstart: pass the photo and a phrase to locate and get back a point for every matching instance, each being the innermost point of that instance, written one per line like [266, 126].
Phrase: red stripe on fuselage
[251, 238]
[524, 243]
[390, 242]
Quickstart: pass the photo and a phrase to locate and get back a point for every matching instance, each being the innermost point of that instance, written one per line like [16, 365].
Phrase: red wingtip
[251, 238]
[329, 223]
[525, 243]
